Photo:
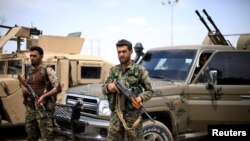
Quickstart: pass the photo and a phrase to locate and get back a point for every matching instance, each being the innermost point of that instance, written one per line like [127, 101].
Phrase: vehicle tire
[156, 131]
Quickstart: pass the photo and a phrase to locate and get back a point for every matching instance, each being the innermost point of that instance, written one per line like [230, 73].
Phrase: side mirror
[213, 78]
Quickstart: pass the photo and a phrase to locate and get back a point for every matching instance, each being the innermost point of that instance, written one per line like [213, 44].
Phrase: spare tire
[156, 131]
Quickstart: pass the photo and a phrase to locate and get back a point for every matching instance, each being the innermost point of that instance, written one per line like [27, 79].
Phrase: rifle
[32, 93]
[124, 90]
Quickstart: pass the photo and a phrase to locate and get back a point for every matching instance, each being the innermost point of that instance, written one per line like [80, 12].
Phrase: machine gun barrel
[124, 90]
[202, 20]
[216, 37]
[220, 39]
[210, 20]
[4, 26]
[32, 92]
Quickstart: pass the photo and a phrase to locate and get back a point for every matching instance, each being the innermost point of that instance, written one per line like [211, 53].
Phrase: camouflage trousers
[36, 122]
[118, 133]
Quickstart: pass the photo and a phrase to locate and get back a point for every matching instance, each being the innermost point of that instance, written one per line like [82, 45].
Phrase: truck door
[12, 108]
[227, 100]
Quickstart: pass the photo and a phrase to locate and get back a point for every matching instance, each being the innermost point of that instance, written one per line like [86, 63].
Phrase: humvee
[60, 52]
[184, 103]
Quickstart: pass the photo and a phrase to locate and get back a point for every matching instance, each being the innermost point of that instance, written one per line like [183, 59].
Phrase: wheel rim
[152, 137]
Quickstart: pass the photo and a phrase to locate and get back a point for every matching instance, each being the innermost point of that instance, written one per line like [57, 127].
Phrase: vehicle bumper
[85, 128]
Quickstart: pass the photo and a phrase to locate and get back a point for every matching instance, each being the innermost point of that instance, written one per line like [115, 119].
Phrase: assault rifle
[124, 90]
[32, 93]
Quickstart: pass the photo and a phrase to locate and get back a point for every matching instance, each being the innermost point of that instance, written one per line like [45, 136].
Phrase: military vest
[38, 79]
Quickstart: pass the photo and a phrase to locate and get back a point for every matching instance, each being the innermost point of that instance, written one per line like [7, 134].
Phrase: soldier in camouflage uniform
[45, 84]
[125, 121]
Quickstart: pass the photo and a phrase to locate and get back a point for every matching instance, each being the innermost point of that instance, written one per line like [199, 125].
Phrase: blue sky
[104, 22]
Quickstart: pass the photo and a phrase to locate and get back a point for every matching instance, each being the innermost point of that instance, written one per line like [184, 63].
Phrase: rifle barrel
[146, 113]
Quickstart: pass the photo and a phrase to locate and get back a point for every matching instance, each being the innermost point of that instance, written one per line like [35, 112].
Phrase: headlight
[103, 108]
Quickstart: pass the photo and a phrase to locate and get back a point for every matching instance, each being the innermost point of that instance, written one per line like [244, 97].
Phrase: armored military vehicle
[60, 52]
[184, 103]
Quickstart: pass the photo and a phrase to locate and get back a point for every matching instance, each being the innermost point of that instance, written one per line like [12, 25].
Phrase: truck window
[53, 66]
[202, 60]
[14, 67]
[169, 64]
[2, 64]
[90, 72]
[233, 68]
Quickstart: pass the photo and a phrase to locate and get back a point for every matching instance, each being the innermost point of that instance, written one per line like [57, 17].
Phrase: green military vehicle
[60, 52]
[184, 103]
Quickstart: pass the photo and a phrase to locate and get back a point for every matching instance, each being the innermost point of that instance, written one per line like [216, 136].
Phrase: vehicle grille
[90, 104]
[63, 112]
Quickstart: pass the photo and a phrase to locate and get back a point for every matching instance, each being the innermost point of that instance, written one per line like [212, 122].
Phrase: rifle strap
[120, 115]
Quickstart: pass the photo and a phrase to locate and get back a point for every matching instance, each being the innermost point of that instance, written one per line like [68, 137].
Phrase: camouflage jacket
[135, 77]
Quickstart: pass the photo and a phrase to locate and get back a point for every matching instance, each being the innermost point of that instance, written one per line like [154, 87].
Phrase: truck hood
[88, 90]
[96, 89]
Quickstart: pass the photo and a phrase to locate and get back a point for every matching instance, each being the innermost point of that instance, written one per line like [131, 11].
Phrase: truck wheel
[156, 131]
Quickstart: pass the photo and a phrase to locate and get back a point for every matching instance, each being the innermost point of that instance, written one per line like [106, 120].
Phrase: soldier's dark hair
[124, 42]
[38, 49]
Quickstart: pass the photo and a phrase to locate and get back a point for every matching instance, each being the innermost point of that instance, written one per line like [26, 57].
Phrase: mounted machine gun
[215, 36]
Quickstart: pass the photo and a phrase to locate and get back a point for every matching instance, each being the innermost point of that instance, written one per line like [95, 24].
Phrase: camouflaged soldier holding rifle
[45, 84]
[125, 121]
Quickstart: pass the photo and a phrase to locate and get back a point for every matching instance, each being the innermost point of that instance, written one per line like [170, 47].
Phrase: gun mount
[18, 34]
[33, 30]
[215, 36]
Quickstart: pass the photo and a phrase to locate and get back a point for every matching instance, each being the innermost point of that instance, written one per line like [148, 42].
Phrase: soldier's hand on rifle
[112, 87]
[41, 101]
[25, 90]
[137, 102]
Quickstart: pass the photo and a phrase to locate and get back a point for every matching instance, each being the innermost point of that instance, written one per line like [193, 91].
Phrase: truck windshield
[169, 64]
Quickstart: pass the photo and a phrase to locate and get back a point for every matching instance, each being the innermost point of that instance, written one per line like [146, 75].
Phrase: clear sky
[104, 22]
